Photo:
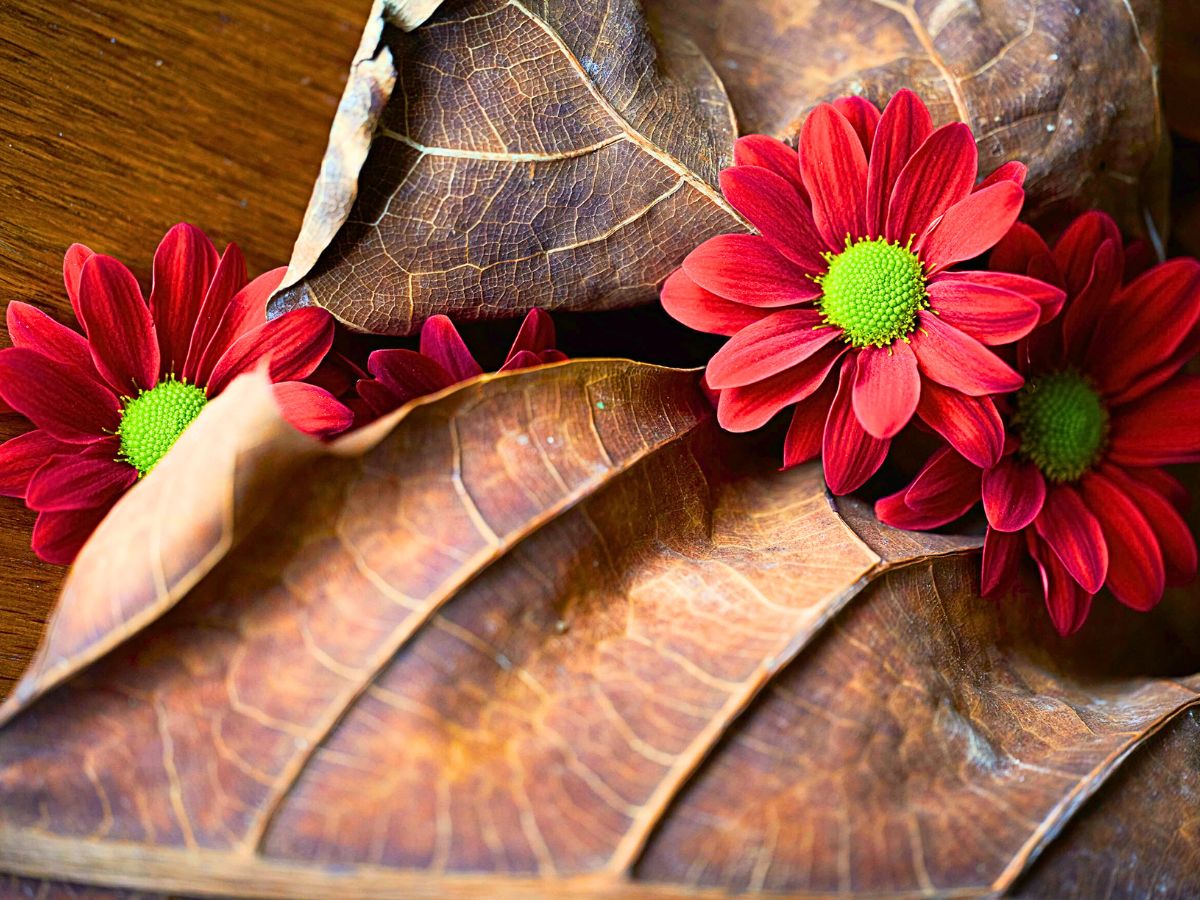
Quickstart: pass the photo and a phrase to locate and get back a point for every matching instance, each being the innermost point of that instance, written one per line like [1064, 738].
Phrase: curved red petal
[311, 409]
[227, 280]
[1170, 529]
[850, 455]
[441, 342]
[747, 408]
[1067, 602]
[406, 374]
[62, 401]
[23, 455]
[119, 327]
[903, 127]
[1013, 171]
[780, 341]
[1074, 534]
[1001, 556]
[1013, 494]
[991, 315]
[803, 441]
[887, 387]
[971, 226]
[940, 173]
[687, 302]
[971, 425]
[184, 264]
[1136, 573]
[833, 165]
[59, 536]
[863, 117]
[1092, 303]
[1017, 250]
[73, 260]
[81, 480]
[1076, 250]
[292, 346]
[29, 327]
[1046, 295]
[945, 489]
[245, 312]
[535, 334]
[745, 268]
[770, 153]
[773, 206]
[956, 360]
[1159, 429]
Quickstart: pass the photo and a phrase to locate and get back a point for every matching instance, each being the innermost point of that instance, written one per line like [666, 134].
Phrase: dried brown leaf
[549, 632]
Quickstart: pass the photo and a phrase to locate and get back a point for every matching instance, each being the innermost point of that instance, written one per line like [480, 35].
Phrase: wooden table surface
[118, 120]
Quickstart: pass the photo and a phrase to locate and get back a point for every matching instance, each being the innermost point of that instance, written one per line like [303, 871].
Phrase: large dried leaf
[1070, 87]
[549, 154]
[550, 631]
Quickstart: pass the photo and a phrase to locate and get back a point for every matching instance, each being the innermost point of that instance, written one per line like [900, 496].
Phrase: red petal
[747, 408]
[406, 374]
[311, 409]
[64, 402]
[1136, 575]
[245, 312]
[229, 278]
[904, 126]
[1073, 532]
[886, 389]
[1170, 530]
[687, 302]
[769, 153]
[81, 480]
[442, 343]
[971, 424]
[1159, 429]
[535, 335]
[991, 315]
[59, 536]
[23, 455]
[940, 173]
[29, 327]
[776, 209]
[1014, 171]
[850, 455]
[119, 327]
[863, 117]
[745, 268]
[1067, 603]
[972, 226]
[294, 344]
[1076, 250]
[76, 256]
[522, 359]
[956, 360]
[1013, 494]
[1001, 555]
[1130, 338]
[780, 341]
[834, 167]
[803, 441]
[184, 264]
[1092, 302]
[377, 397]
[1044, 294]
[945, 488]
[892, 510]
[1166, 484]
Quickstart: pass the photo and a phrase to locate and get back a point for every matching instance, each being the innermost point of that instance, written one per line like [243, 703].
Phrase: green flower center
[873, 291]
[1062, 424]
[152, 421]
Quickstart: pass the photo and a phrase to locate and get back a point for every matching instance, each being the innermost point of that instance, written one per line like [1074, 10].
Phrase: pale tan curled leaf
[555, 154]
[408, 14]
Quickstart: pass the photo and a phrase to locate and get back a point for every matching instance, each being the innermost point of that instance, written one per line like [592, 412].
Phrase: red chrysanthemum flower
[444, 360]
[108, 406]
[1105, 404]
[849, 272]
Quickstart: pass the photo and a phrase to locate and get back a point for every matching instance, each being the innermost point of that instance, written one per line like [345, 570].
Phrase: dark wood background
[119, 119]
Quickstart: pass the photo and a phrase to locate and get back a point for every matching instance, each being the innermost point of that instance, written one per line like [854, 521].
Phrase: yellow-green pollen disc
[1062, 423]
[873, 291]
[152, 421]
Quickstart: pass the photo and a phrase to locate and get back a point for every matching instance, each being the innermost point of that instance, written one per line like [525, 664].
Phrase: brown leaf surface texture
[552, 154]
[550, 631]
[1070, 87]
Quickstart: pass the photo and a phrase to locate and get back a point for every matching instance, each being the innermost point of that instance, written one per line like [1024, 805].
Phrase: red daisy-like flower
[108, 406]
[849, 274]
[1105, 405]
[444, 360]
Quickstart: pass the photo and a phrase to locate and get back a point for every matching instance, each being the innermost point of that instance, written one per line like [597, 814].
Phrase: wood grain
[118, 120]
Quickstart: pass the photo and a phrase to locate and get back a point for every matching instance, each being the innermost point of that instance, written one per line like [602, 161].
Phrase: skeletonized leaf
[1070, 87]
[546, 632]
[552, 154]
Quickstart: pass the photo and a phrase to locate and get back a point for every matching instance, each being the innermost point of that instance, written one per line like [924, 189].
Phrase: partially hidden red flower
[109, 403]
[399, 376]
[1105, 405]
[844, 303]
